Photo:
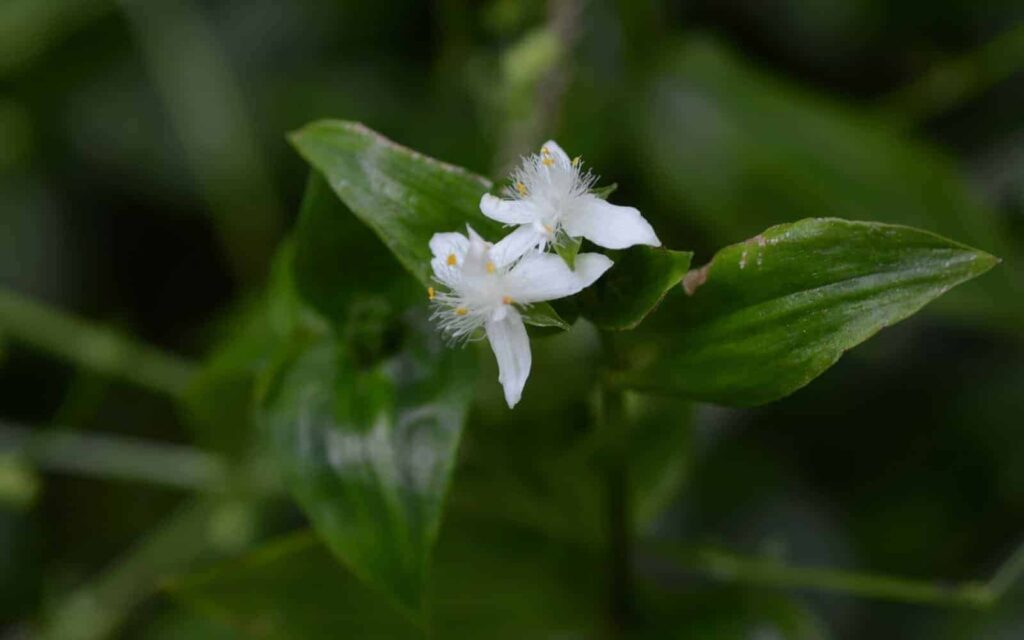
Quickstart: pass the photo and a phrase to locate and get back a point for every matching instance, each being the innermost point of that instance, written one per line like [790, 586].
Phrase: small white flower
[551, 195]
[487, 284]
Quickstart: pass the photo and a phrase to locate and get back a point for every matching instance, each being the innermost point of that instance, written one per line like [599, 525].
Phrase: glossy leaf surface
[405, 197]
[633, 287]
[367, 449]
[768, 315]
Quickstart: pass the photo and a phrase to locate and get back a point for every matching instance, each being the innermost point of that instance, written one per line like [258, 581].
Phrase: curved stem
[93, 347]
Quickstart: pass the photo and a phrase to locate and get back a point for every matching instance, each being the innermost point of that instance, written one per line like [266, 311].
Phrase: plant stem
[87, 345]
[729, 567]
[620, 558]
[951, 82]
[107, 456]
[208, 110]
[97, 609]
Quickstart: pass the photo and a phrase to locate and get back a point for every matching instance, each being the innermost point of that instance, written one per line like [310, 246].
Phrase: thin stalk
[114, 457]
[97, 609]
[954, 81]
[729, 567]
[91, 346]
[207, 107]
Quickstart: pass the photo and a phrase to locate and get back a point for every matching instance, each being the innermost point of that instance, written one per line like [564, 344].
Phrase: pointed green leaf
[405, 197]
[738, 149]
[633, 287]
[542, 315]
[768, 315]
[367, 450]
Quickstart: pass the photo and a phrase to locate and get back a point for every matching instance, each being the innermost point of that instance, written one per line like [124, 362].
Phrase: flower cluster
[487, 286]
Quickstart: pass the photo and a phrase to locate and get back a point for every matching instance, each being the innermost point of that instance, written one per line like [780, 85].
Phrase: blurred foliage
[146, 183]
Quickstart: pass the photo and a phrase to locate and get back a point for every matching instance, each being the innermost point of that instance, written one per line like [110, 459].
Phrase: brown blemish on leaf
[694, 278]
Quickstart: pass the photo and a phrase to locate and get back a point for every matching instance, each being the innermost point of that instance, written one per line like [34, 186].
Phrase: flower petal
[608, 225]
[560, 156]
[511, 348]
[590, 267]
[507, 211]
[516, 244]
[444, 244]
[545, 276]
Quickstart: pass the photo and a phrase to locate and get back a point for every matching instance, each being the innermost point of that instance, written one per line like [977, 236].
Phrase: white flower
[487, 284]
[551, 195]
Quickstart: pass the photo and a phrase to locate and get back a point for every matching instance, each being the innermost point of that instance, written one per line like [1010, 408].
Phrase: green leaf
[367, 450]
[768, 315]
[633, 287]
[567, 249]
[403, 196]
[738, 150]
[543, 315]
[339, 263]
[291, 588]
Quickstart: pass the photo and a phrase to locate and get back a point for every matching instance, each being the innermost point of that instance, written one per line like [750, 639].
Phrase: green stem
[118, 457]
[728, 567]
[952, 82]
[97, 609]
[91, 346]
[208, 111]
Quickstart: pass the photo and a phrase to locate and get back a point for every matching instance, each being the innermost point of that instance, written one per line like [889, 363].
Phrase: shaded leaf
[368, 450]
[339, 261]
[490, 582]
[633, 287]
[292, 588]
[403, 196]
[768, 315]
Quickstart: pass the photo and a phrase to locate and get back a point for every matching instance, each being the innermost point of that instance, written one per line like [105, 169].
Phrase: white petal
[556, 151]
[443, 245]
[590, 267]
[511, 348]
[478, 247]
[516, 244]
[608, 225]
[507, 211]
[545, 276]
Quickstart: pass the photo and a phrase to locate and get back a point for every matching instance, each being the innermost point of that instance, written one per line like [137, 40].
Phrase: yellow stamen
[461, 311]
[548, 161]
[451, 260]
[576, 161]
[549, 228]
[506, 299]
[544, 151]
[490, 267]
[521, 188]
[431, 293]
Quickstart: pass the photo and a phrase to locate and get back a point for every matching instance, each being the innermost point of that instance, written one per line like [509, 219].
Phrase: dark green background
[146, 182]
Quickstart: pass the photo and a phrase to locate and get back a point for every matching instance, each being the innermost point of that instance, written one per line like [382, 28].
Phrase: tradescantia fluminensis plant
[367, 399]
